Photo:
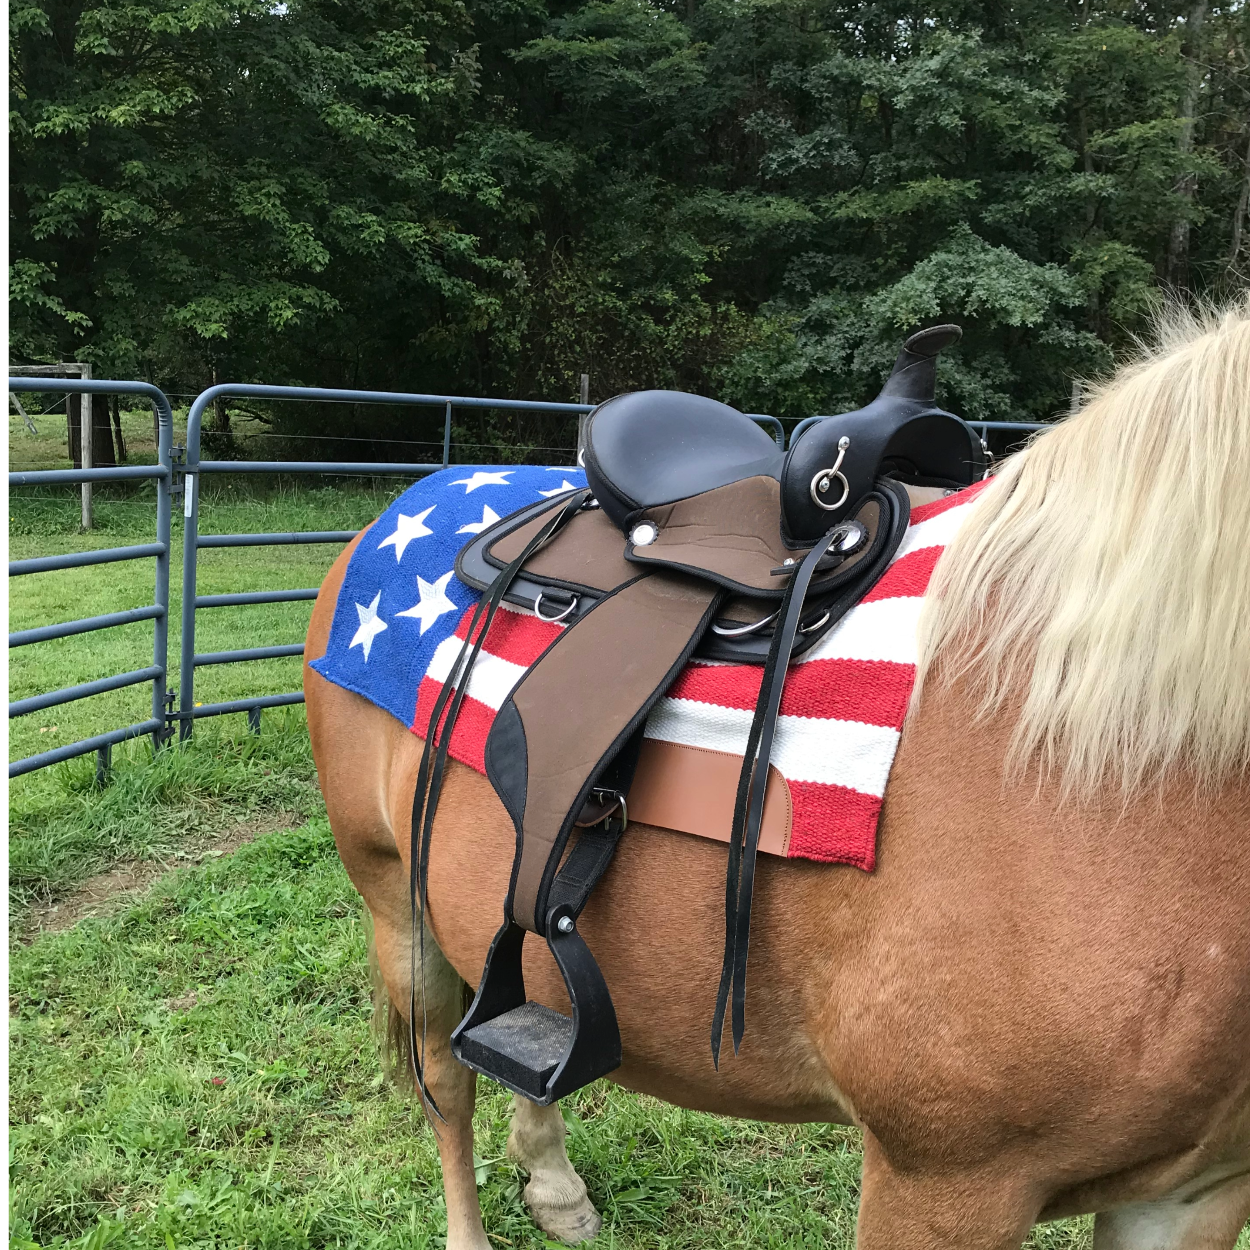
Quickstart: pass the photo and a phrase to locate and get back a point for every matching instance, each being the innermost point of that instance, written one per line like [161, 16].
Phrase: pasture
[191, 1059]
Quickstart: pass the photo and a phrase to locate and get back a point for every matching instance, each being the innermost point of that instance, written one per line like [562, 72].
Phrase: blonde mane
[1103, 578]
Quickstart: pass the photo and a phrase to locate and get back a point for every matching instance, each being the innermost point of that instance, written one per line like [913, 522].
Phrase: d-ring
[824, 479]
[551, 620]
[739, 631]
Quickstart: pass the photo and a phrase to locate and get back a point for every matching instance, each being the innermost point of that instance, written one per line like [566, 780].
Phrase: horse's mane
[1103, 578]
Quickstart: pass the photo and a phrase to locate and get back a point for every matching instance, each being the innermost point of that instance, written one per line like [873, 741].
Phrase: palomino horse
[1039, 1003]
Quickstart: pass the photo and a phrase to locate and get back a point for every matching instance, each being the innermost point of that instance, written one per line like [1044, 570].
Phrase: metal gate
[157, 611]
[193, 542]
[179, 472]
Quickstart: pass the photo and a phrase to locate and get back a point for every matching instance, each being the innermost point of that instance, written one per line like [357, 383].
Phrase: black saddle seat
[656, 447]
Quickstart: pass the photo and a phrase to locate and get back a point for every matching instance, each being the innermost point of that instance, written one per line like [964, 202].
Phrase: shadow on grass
[66, 829]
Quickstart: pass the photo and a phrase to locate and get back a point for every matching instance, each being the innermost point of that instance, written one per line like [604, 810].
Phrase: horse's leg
[938, 1210]
[366, 764]
[452, 1086]
[1212, 1221]
[555, 1195]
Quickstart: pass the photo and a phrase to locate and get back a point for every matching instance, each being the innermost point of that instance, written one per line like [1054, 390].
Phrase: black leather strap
[433, 765]
[749, 806]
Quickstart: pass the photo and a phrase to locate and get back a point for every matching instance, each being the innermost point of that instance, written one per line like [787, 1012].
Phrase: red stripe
[514, 636]
[834, 825]
[872, 691]
[468, 739]
[907, 577]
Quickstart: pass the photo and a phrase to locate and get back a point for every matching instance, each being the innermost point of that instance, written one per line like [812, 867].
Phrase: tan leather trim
[921, 495]
[692, 790]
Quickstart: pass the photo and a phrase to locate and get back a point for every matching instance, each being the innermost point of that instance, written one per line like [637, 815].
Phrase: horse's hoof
[571, 1223]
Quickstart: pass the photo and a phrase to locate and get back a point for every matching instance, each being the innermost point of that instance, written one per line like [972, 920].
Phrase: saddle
[696, 535]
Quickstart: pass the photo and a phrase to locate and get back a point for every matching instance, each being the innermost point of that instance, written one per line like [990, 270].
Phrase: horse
[1038, 1004]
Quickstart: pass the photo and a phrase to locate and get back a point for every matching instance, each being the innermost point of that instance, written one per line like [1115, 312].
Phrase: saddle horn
[901, 434]
[914, 375]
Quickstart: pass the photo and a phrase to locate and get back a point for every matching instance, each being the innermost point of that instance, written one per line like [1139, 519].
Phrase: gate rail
[194, 542]
[157, 612]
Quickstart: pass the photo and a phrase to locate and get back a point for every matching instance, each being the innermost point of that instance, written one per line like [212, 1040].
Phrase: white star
[434, 601]
[565, 485]
[406, 529]
[370, 626]
[482, 478]
[476, 527]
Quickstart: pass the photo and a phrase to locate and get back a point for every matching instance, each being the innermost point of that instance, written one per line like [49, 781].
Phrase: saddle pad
[402, 614]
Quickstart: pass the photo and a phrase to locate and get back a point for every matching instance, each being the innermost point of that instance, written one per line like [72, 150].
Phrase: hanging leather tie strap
[749, 805]
[434, 761]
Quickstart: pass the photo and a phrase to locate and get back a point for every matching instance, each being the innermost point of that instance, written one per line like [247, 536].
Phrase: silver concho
[644, 534]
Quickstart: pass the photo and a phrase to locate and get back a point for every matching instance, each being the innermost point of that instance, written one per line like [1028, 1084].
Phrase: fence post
[447, 437]
[190, 553]
[160, 641]
[84, 443]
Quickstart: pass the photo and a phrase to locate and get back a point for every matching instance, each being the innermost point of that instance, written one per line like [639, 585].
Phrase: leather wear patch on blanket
[402, 615]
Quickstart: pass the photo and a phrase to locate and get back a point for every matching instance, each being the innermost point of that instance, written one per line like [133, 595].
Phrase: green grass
[61, 829]
[256, 1116]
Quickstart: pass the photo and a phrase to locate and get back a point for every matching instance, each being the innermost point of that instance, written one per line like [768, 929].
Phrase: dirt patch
[108, 892]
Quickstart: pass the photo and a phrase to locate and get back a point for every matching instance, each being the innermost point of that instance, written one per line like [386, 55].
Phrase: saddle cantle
[696, 535]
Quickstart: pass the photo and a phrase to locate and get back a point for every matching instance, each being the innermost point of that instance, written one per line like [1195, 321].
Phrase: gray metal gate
[194, 542]
[157, 611]
[190, 468]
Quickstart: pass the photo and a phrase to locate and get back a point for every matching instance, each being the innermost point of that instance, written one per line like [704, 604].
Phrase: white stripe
[938, 531]
[492, 679]
[834, 752]
[882, 630]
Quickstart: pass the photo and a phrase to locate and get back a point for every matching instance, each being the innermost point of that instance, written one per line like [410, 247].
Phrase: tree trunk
[221, 418]
[102, 453]
[1178, 243]
[115, 405]
[1239, 217]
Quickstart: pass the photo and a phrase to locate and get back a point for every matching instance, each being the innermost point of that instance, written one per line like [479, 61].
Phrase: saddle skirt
[402, 614]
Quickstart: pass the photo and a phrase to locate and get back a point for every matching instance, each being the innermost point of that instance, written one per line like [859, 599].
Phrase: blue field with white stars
[401, 596]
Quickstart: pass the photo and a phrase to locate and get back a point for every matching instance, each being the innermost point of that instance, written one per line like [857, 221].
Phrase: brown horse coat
[1032, 1008]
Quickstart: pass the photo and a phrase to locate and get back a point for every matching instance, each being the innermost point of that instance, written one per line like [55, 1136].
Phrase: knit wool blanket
[402, 615]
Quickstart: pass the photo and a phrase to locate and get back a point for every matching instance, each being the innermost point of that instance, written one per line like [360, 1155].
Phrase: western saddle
[733, 550]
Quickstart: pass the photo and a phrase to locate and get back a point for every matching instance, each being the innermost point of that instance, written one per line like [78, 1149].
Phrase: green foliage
[753, 198]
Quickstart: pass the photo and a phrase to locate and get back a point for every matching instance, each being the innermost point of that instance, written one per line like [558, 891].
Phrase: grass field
[193, 1067]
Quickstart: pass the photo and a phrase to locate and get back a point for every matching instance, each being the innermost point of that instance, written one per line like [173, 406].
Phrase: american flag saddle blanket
[402, 615]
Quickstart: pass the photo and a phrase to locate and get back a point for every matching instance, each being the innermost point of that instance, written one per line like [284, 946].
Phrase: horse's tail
[390, 1029]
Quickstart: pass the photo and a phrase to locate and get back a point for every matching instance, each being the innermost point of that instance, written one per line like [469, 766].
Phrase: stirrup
[530, 1049]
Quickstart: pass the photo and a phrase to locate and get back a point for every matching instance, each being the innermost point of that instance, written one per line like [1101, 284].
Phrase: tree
[751, 198]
